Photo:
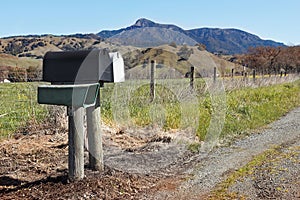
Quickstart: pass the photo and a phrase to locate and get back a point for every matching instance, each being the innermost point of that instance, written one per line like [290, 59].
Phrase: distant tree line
[272, 60]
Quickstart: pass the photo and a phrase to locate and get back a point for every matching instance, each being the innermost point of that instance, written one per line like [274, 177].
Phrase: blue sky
[270, 19]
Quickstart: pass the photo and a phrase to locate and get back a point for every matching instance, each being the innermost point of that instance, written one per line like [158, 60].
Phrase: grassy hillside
[37, 46]
[13, 61]
[175, 60]
[28, 51]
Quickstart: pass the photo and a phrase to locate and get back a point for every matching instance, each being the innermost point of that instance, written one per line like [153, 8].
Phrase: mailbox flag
[118, 67]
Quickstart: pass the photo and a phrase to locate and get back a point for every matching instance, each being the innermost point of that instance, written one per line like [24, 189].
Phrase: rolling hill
[175, 62]
[173, 48]
[28, 51]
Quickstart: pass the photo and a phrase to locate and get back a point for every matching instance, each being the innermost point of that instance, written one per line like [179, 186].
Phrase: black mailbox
[88, 66]
[75, 76]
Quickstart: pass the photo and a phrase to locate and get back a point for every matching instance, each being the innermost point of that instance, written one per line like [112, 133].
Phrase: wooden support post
[76, 143]
[254, 75]
[152, 80]
[95, 136]
[215, 74]
[192, 77]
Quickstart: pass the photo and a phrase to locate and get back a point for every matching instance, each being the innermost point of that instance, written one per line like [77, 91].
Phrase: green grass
[246, 108]
[18, 106]
[142, 109]
[251, 108]
[167, 109]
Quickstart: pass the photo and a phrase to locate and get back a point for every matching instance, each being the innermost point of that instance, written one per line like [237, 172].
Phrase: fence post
[245, 76]
[95, 136]
[152, 80]
[192, 77]
[76, 143]
[232, 73]
[215, 74]
[254, 75]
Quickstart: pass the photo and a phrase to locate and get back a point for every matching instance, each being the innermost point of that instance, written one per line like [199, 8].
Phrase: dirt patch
[34, 166]
[150, 164]
[109, 184]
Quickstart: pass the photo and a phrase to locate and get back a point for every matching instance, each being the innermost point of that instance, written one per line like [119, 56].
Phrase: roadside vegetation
[251, 108]
[246, 108]
[19, 107]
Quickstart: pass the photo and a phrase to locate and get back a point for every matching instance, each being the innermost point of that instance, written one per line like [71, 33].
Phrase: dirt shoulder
[149, 164]
[213, 168]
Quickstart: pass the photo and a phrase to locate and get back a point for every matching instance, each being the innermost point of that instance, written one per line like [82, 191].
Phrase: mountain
[151, 36]
[228, 41]
[140, 23]
[145, 33]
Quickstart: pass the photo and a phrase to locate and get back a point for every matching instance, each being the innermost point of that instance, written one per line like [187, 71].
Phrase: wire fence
[258, 81]
[19, 109]
[20, 112]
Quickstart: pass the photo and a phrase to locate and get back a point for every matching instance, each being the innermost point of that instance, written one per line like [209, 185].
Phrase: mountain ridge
[226, 41]
[143, 33]
[140, 23]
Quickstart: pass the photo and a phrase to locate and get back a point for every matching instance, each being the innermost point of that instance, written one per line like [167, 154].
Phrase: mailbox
[75, 76]
[89, 66]
[79, 95]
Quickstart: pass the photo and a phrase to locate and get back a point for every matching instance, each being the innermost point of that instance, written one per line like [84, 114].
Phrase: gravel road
[210, 169]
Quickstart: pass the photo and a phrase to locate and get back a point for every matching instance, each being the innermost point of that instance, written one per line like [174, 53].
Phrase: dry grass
[13, 61]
